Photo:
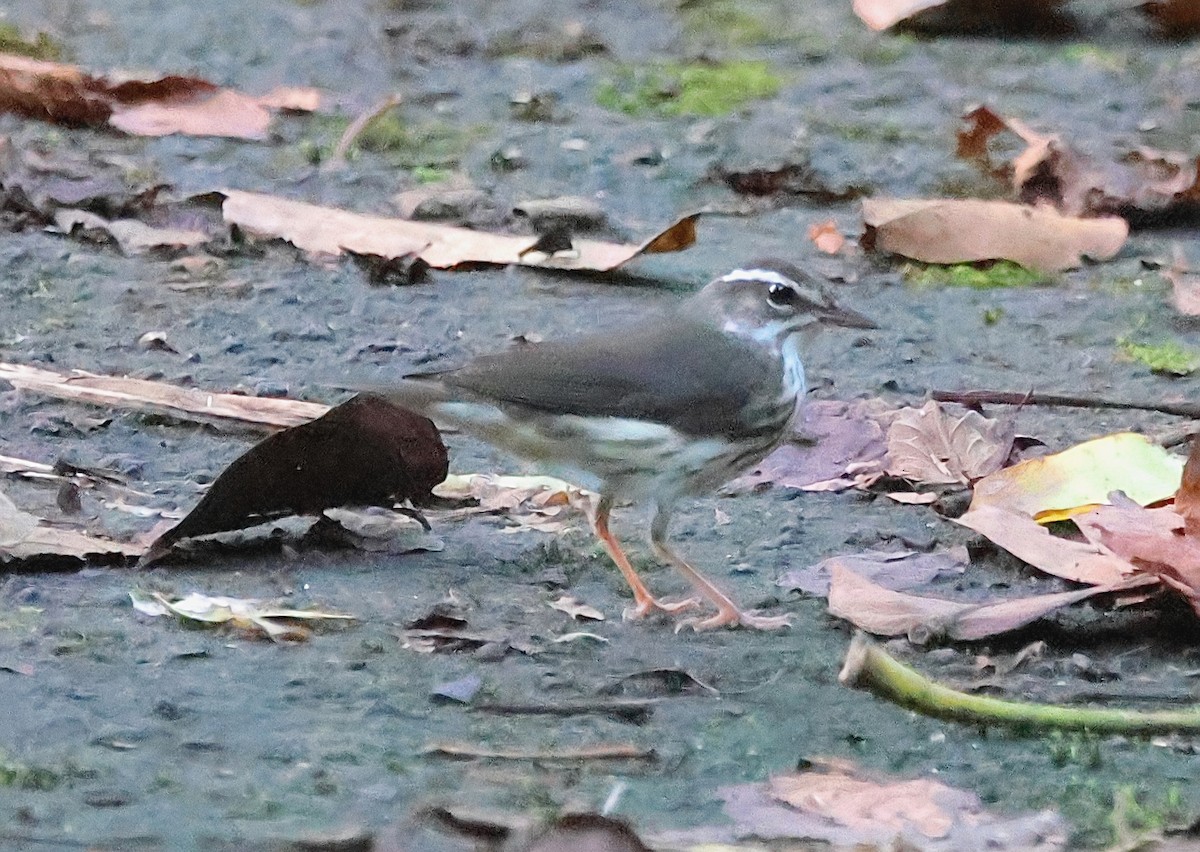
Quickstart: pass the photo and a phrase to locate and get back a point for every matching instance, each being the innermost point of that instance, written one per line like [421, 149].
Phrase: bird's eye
[782, 296]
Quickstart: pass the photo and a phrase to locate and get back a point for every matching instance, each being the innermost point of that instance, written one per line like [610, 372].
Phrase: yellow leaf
[1058, 486]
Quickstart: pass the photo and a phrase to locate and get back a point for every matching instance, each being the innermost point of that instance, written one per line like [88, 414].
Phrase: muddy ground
[151, 735]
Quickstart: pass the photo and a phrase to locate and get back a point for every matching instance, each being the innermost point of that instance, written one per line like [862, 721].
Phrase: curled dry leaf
[1141, 183]
[885, 612]
[1056, 486]
[60, 93]
[326, 230]
[826, 237]
[969, 230]
[932, 446]
[364, 452]
[243, 613]
[575, 609]
[132, 236]
[543, 503]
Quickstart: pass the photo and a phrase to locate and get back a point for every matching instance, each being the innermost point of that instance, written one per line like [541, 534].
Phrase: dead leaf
[826, 237]
[890, 613]
[1032, 543]
[160, 397]
[1138, 184]
[575, 609]
[23, 538]
[587, 833]
[913, 498]
[1054, 487]
[836, 445]
[930, 446]
[51, 91]
[1185, 284]
[132, 236]
[969, 230]
[543, 503]
[837, 805]
[326, 230]
[1174, 18]
[1187, 498]
[243, 613]
[364, 452]
[904, 569]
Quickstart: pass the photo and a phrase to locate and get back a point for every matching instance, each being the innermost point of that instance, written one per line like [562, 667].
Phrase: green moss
[1001, 273]
[432, 146]
[40, 46]
[992, 315]
[687, 89]
[728, 22]
[430, 174]
[17, 773]
[1169, 357]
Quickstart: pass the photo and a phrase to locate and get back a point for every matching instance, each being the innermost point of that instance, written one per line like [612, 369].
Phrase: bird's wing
[685, 375]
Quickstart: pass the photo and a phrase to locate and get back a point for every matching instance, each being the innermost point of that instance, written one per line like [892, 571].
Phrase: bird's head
[769, 300]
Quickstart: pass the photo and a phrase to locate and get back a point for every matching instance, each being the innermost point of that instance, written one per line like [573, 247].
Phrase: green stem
[870, 667]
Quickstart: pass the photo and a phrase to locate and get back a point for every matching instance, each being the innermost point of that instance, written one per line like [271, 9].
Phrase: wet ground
[149, 735]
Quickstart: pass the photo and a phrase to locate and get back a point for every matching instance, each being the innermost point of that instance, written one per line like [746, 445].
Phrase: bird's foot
[647, 605]
[736, 618]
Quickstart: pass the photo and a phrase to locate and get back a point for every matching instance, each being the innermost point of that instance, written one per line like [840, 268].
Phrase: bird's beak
[837, 315]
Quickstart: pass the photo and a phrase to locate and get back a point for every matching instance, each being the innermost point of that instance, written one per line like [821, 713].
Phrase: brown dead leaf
[839, 805]
[1185, 284]
[836, 445]
[885, 612]
[23, 538]
[930, 445]
[1139, 184]
[143, 395]
[905, 569]
[59, 93]
[1029, 541]
[968, 230]
[1187, 498]
[826, 237]
[1174, 18]
[132, 236]
[326, 230]
[364, 452]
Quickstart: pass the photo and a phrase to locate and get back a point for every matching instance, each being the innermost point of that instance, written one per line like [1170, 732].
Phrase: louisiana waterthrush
[671, 406]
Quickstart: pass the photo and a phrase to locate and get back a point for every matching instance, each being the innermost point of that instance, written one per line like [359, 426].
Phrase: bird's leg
[728, 612]
[644, 602]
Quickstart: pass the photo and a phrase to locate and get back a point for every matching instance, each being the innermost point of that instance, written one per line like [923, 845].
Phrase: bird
[668, 407]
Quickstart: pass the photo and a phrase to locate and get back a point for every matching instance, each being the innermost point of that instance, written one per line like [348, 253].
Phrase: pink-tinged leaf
[889, 613]
[965, 230]
[932, 446]
[1024, 538]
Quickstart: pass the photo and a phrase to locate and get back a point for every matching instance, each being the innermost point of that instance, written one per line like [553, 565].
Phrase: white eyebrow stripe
[768, 276]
